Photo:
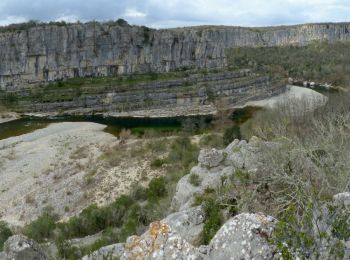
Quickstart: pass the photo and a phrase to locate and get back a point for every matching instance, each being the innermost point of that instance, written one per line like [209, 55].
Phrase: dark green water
[138, 126]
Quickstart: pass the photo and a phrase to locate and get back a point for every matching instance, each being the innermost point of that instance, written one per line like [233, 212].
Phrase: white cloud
[70, 18]
[133, 13]
[12, 19]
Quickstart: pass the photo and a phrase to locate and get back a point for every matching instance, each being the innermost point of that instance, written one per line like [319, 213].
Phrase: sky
[178, 13]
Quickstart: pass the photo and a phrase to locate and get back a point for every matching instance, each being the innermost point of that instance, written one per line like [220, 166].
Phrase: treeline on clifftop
[321, 62]
[34, 23]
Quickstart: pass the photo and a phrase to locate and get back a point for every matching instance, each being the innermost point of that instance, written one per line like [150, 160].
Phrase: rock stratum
[52, 52]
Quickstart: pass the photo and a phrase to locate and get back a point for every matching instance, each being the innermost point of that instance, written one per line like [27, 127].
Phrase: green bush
[194, 179]
[319, 61]
[156, 189]
[231, 134]
[157, 163]
[211, 140]
[182, 152]
[138, 193]
[5, 233]
[43, 227]
[65, 250]
[213, 219]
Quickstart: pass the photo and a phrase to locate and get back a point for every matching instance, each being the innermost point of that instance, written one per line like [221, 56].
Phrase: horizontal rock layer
[51, 52]
[194, 93]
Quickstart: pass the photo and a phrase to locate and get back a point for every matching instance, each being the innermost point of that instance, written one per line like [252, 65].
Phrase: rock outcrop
[216, 165]
[51, 52]
[244, 237]
[184, 227]
[19, 247]
[159, 242]
[107, 252]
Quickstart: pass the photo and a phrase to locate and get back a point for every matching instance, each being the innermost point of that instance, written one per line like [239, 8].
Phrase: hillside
[49, 52]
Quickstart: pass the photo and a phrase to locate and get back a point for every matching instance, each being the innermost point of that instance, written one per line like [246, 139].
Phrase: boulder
[342, 198]
[209, 178]
[246, 156]
[19, 247]
[188, 224]
[160, 242]
[243, 237]
[211, 157]
[106, 252]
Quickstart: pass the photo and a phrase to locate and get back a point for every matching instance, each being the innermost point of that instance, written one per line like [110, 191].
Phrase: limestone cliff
[50, 52]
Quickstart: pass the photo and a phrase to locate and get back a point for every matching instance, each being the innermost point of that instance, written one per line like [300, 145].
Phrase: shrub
[65, 250]
[5, 233]
[319, 233]
[122, 22]
[211, 140]
[156, 189]
[157, 163]
[43, 227]
[231, 134]
[213, 219]
[182, 152]
[138, 193]
[194, 179]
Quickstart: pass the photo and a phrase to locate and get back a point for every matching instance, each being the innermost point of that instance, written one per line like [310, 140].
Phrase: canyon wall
[50, 52]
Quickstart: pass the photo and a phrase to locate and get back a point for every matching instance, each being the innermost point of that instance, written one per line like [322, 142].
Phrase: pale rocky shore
[53, 167]
[8, 116]
[292, 94]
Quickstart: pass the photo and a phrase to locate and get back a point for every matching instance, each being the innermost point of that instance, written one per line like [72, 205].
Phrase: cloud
[173, 13]
[132, 13]
[11, 19]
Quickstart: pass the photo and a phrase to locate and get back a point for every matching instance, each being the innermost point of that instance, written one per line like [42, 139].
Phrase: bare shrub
[124, 135]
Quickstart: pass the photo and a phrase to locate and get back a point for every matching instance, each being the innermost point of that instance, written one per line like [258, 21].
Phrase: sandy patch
[293, 94]
[8, 116]
[61, 166]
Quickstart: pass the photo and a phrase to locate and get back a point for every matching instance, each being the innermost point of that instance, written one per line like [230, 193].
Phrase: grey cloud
[172, 13]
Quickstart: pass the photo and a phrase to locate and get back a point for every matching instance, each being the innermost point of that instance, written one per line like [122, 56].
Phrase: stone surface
[243, 237]
[188, 224]
[19, 247]
[209, 178]
[49, 52]
[211, 157]
[188, 95]
[214, 165]
[107, 252]
[160, 242]
[342, 198]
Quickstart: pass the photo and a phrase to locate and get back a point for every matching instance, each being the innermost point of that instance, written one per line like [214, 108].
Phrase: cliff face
[50, 52]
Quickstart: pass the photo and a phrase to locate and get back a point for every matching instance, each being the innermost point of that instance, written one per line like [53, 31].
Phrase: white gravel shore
[293, 94]
[46, 168]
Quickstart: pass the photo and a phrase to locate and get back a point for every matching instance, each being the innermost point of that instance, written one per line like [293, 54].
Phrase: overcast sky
[174, 13]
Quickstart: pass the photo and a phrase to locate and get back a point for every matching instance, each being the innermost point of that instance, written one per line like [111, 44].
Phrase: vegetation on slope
[320, 61]
[128, 214]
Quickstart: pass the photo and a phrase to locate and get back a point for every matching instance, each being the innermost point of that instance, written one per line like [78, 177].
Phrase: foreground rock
[244, 237]
[160, 242]
[19, 247]
[186, 225]
[106, 252]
